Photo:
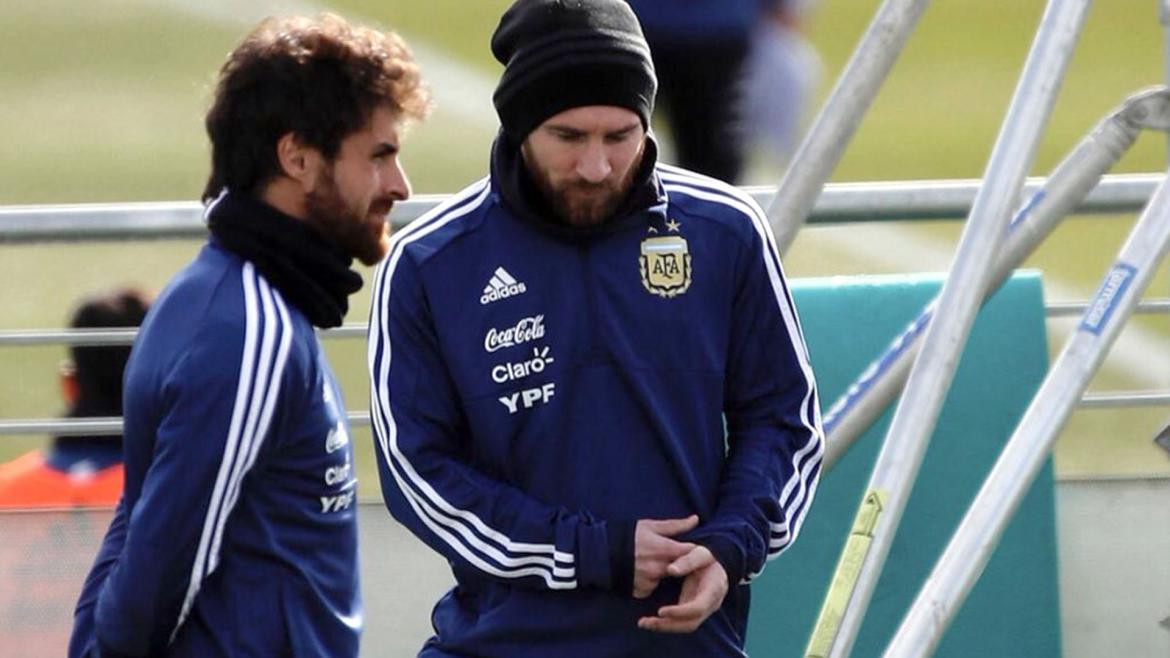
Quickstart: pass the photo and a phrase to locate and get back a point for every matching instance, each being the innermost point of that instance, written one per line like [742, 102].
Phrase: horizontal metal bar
[1115, 399]
[104, 426]
[838, 202]
[125, 335]
[1061, 309]
[63, 427]
[113, 425]
[80, 337]
[952, 199]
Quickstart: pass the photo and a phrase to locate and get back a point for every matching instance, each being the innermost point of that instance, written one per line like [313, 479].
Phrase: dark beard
[357, 236]
[595, 210]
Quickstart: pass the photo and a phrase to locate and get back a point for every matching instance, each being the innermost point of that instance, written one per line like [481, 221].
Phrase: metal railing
[838, 203]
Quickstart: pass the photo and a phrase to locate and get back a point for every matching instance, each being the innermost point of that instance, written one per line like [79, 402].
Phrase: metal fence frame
[838, 203]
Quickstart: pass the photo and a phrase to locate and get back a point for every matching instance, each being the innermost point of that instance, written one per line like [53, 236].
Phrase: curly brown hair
[317, 77]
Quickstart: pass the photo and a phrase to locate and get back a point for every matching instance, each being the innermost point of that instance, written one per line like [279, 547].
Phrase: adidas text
[502, 285]
[501, 293]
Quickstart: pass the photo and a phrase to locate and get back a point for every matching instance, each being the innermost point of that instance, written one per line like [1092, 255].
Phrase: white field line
[457, 89]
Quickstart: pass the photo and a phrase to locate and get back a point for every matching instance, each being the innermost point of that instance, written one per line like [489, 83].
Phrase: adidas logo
[500, 286]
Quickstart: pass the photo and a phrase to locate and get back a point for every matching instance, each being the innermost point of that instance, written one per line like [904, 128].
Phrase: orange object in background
[30, 482]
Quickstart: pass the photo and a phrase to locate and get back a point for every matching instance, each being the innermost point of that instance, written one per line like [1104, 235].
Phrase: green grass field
[103, 101]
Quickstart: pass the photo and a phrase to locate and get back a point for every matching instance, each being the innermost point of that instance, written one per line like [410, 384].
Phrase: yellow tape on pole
[845, 576]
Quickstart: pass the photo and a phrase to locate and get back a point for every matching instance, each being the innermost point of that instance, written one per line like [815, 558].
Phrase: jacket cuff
[620, 535]
[729, 555]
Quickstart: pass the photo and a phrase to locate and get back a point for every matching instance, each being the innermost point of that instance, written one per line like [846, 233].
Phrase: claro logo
[527, 329]
[506, 372]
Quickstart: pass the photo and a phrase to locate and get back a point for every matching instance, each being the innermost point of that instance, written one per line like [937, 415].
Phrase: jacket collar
[309, 271]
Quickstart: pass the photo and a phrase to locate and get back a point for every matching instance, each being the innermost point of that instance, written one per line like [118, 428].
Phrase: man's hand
[655, 551]
[703, 589]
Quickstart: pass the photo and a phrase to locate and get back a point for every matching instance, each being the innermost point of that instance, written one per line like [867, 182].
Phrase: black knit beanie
[561, 54]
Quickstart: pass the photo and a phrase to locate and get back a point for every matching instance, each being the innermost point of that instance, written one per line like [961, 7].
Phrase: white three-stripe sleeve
[772, 407]
[428, 481]
[219, 406]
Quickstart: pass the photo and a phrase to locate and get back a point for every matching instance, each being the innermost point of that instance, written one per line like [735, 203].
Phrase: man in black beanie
[554, 352]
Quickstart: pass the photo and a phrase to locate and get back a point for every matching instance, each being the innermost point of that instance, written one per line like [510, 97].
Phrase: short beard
[356, 235]
[594, 210]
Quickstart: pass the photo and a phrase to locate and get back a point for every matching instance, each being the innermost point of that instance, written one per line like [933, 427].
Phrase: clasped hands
[657, 555]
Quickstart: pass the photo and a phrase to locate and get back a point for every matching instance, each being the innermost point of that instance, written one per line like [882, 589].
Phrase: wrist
[729, 556]
[620, 535]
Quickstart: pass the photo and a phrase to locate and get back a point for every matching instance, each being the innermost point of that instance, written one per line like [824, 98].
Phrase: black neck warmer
[311, 273]
[520, 193]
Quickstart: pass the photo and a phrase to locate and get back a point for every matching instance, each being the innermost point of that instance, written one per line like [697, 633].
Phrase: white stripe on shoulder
[256, 396]
[271, 403]
[451, 208]
[378, 330]
[232, 447]
[471, 191]
[464, 531]
[808, 457]
[261, 382]
[263, 401]
[747, 204]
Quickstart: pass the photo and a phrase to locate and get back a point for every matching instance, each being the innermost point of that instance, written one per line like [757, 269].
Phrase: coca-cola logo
[527, 329]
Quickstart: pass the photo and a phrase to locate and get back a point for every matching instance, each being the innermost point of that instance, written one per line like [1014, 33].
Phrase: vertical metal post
[1076, 175]
[978, 534]
[839, 117]
[897, 464]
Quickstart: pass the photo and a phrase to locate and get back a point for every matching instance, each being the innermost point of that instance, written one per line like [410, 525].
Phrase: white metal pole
[897, 464]
[821, 148]
[981, 528]
[856, 410]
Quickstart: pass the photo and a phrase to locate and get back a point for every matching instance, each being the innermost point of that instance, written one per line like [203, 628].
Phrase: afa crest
[665, 264]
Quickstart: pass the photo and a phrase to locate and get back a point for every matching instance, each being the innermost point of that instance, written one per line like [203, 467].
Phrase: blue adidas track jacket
[236, 533]
[534, 395]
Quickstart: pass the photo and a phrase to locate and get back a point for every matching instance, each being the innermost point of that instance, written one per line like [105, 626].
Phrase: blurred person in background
[734, 76]
[82, 470]
[237, 531]
[553, 353]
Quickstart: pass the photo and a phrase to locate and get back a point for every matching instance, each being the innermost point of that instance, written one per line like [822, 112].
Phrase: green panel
[1013, 609]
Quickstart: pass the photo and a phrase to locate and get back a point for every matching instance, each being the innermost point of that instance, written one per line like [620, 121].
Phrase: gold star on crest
[672, 225]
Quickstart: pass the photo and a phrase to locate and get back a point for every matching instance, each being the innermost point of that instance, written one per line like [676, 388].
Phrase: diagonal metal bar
[897, 464]
[821, 148]
[868, 397]
[978, 534]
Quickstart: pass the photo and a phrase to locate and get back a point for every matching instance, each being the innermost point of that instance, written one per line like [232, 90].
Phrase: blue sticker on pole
[877, 369]
[1027, 209]
[1111, 291]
